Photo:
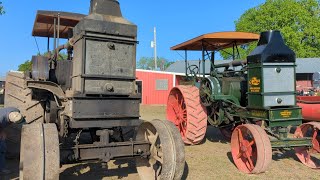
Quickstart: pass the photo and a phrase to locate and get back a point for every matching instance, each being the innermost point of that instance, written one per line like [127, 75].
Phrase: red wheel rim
[177, 112]
[251, 149]
[243, 149]
[307, 155]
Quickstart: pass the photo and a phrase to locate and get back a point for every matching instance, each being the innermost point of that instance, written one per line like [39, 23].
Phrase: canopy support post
[203, 60]
[233, 56]
[186, 63]
[212, 62]
[54, 33]
[58, 29]
[48, 45]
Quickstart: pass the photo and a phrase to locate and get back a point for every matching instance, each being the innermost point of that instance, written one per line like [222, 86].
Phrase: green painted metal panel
[255, 81]
[291, 142]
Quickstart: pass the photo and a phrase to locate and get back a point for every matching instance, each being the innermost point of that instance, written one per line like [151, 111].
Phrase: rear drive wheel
[309, 156]
[251, 149]
[39, 154]
[185, 110]
[166, 160]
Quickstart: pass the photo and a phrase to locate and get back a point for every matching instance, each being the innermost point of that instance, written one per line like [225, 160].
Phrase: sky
[176, 21]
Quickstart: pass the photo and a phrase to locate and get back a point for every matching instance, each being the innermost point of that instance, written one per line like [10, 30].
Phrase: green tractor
[252, 102]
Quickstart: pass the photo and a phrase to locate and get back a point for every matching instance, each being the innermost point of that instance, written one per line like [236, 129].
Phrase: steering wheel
[194, 70]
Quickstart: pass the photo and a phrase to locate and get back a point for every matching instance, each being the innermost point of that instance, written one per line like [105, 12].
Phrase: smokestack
[271, 49]
[270, 36]
[105, 7]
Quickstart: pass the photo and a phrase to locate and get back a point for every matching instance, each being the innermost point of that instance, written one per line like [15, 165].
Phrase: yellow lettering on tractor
[254, 89]
[256, 113]
[286, 114]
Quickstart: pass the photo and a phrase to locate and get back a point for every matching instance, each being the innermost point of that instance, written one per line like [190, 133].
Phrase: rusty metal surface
[114, 150]
[90, 123]
[43, 25]
[48, 86]
[63, 74]
[40, 68]
[105, 108]
[105, 7]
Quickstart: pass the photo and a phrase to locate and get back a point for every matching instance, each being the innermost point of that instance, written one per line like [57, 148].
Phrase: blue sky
[176, 21]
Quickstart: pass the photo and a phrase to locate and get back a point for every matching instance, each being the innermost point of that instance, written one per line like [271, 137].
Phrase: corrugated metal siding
[149, 93]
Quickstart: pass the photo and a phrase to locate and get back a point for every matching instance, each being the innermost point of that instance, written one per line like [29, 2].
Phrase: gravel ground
[209, 160]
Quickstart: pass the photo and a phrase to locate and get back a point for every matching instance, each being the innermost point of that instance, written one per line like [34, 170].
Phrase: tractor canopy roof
[217, 41]
[44, 23]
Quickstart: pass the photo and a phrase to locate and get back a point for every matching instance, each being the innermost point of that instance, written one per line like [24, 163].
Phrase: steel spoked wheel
[177, 111]
[251, 149]
[187, 113]
[39, 154]
[205, 92]
[309, 156]
[166, 159]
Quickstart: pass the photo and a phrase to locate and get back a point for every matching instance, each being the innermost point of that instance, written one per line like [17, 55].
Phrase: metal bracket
[54, 88]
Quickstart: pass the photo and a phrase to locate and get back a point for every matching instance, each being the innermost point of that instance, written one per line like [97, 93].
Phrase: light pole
[155, 48]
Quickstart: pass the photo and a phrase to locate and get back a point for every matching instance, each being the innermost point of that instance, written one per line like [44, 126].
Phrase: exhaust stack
[105, 7]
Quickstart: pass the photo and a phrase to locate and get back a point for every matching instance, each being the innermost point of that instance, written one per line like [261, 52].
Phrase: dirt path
[210, 160]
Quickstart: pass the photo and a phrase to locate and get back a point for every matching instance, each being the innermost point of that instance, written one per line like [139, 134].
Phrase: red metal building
[155, 86]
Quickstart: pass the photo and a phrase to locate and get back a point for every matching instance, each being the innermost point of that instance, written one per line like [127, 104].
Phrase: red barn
[155, 86]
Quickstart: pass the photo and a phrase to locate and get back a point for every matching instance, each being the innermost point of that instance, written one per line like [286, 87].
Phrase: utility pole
[155, 48]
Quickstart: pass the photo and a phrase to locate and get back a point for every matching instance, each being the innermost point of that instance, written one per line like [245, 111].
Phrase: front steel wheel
[39, 154]
[166, 159]
[309, 156]
[251, 149]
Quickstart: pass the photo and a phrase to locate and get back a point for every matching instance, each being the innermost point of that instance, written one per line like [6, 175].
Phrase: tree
[1, 9]
[148, 63]
[298, 21]
[26, 66]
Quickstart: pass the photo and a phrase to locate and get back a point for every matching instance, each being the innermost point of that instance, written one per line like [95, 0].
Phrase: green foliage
[26, 66]
[298, 21]
[148, 63]
[61, 56]
[1, 9]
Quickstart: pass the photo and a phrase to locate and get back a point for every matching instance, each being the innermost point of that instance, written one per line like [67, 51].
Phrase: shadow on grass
[186, 171]
[214, 135]
[290, 154]
[229, 155]
[98, 171]
[278, 156]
